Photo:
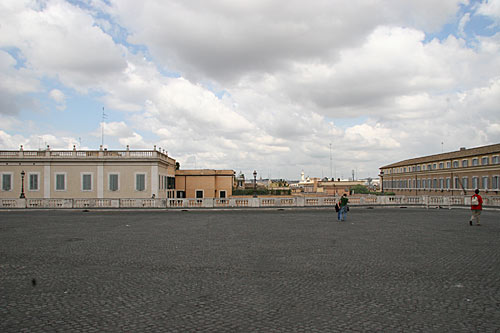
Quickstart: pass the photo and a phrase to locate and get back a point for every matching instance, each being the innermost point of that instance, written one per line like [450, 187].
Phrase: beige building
[204, 183]
[454, 173]
[113, 174]
[324, 187]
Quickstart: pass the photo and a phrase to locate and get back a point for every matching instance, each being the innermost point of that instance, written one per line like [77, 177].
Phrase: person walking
[343, 208]
[476, 207]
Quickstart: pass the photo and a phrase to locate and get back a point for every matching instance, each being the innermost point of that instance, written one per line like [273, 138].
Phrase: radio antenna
[104, 116]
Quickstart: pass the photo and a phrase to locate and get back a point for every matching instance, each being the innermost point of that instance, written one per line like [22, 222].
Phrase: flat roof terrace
[386, 269]
[83, 155]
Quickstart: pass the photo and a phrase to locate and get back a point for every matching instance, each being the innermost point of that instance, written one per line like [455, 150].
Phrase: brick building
[453, 173]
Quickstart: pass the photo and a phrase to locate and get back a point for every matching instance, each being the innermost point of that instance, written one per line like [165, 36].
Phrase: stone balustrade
[246, 202]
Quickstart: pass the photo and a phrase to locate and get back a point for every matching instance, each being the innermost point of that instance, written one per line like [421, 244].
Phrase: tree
[359, 189]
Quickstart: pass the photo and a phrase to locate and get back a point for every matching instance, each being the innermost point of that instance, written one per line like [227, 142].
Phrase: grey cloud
[222, 40]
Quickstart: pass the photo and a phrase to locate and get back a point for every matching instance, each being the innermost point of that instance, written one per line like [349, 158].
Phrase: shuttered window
[113, 182]
[484, 183]
[87, 182]
[6, 182]
[140, 182]
[60, 182]
[494, 183]
[33, 182]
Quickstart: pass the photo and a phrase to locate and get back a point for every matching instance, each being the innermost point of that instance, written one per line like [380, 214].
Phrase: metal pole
[22, 196]
[255, 184]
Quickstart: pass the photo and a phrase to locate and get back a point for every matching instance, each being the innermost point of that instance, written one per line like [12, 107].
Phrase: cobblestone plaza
[384, 269]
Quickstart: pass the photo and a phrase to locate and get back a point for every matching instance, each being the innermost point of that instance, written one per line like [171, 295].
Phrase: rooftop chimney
[462, 148]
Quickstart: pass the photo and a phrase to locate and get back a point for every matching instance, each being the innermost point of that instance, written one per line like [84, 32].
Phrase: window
[448, 165]
[33, 183]
[465, 182]
[475, 182]
[418, 167]
[475, 162]
[485, 160]
[140, 181]
[456, 185]
[448, 183]
[435, 183]
[484, 183]
[199, 194]
[455, 164]
[181, 194]
[494, 183]
[428, 166]
[494, 160]
[222, 194]
[441, 165]
[465, 163]
[60, 182]
[170, 182]
[86, 182]
[114, 184]
[434, 166]
[6, 182]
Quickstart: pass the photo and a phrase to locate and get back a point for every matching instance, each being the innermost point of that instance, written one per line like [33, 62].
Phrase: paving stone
[384, 269]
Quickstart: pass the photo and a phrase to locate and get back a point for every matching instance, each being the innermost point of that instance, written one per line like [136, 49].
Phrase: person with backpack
[342, 207]
[476, 207]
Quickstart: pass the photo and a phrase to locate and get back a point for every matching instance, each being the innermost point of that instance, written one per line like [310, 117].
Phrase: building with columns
[453, 173]
[110, 174]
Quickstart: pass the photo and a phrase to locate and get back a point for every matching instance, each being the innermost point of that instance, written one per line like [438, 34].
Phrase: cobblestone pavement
[389, 270]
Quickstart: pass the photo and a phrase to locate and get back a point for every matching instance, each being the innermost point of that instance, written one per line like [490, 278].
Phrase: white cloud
[60, 40]
[14, 83]
[296, 77]
[59, 97]
[222, 40]
[490, 8]
[35, 142]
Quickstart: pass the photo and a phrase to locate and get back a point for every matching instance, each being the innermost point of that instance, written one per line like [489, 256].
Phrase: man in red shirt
[476, 207]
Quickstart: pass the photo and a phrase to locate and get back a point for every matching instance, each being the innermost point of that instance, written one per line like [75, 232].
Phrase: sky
[327, 87]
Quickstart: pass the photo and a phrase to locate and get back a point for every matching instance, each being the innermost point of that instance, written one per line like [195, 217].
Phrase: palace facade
[110, 174]
[453, 173]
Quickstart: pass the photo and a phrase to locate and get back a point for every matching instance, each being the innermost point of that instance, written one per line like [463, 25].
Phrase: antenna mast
[104, 116]
[331, 170]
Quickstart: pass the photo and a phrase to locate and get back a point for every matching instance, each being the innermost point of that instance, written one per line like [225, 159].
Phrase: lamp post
[255, 184]
[382, 181]
[22, 196]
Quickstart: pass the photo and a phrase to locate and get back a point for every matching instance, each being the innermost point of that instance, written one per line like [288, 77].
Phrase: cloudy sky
[279, 86]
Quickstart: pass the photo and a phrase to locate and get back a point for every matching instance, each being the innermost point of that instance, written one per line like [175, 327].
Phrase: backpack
[474, 201]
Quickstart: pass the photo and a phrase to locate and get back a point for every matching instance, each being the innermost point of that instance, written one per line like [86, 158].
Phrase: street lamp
[382, 180]
[255, 184]
[22, 196]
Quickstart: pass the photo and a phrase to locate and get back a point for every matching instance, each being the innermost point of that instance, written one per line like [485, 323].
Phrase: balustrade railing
[81, 154]
[235, 202]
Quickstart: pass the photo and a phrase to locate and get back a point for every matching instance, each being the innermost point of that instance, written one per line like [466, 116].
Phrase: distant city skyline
[272, 86]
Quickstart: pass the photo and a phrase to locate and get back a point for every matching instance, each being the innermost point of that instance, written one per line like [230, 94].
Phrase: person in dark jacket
[476, 207]
[343, 207]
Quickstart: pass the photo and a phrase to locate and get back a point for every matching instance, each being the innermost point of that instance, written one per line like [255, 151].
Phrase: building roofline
[84, 155]
[204, 172]
[447, 156]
